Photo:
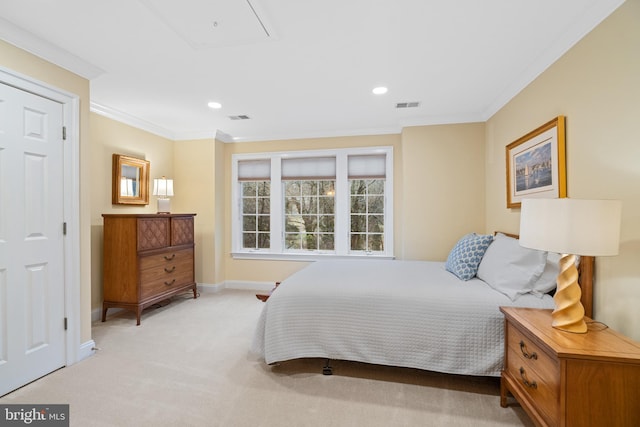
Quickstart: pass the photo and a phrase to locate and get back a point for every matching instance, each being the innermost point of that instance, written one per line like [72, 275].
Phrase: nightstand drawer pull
[166, 270]
[170, 283]
[525, 353]
[169, 258]
[526, 382]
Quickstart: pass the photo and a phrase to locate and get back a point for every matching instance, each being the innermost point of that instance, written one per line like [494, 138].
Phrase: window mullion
[277, 209]
[236, 209]
[342, 213]
[388, 206]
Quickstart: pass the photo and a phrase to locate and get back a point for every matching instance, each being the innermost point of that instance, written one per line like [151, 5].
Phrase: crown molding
[130, 120]
[322, 134]
[442, 120]
[31, 43]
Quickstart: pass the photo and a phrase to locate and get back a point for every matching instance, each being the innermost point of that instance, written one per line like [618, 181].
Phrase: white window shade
[370, 166]
[254, 170]
[309, 168]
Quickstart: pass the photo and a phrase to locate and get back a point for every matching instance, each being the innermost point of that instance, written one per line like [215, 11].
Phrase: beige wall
[197, 175]
[23, 62]
[596, 85]
[110, 137]
[443, 197]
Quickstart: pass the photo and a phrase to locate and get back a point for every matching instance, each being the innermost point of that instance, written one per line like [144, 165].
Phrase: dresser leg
[195, 291]
[104, 313]
[138, 313]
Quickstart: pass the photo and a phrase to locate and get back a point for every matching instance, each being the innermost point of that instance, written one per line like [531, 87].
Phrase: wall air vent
[240, 117]
[407, 104]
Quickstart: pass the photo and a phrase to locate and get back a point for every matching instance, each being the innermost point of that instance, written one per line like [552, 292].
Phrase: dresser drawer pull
[525, 353]
[167, 270]
[526, 382]
[169, 258]
[170, 283]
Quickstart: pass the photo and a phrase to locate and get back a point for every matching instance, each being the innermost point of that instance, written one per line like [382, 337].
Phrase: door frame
[71, 203]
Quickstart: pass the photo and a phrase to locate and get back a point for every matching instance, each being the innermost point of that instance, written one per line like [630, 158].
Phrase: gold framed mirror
[130, 184]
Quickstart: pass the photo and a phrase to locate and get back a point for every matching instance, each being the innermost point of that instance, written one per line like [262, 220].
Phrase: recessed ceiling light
[380, 90]
[215, 105]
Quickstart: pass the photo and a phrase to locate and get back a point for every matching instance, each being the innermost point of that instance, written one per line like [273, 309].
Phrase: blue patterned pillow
[464, 258]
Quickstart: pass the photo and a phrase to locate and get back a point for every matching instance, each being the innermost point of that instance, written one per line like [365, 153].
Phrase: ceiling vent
[407, 104]
[240, 117]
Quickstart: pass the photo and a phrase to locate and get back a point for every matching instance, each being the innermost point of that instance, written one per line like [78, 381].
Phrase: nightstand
[565, 379]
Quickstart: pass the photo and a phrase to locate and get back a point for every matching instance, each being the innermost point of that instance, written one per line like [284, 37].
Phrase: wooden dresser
[566, 379]
[147, 258]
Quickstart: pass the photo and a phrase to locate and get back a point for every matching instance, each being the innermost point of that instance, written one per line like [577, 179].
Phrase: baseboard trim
[87, 349]
[204, 288]
[251, 286]
[209, 288]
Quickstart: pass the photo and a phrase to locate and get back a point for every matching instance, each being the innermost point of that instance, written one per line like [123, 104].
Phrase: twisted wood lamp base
[569, 313]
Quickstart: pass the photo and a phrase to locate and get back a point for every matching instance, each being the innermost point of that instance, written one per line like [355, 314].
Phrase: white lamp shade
[163, 187]
[571, 226]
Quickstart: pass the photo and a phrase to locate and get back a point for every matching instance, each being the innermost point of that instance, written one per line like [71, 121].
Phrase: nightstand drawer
[540, 390]
[535, 371]
[528, 353]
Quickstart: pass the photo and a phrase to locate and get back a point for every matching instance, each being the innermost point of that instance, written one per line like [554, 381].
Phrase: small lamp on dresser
[163, 188]
[570, 227]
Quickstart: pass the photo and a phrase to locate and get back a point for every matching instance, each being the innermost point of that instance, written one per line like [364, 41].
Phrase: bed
[415, 314]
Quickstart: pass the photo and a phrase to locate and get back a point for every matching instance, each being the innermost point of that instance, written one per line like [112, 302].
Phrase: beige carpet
[188, 364]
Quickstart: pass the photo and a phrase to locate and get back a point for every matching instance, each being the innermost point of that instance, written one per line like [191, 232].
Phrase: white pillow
[547, 281]
[509, 268]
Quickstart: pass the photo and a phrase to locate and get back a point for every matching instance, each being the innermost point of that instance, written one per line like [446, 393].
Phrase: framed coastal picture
[536, 164]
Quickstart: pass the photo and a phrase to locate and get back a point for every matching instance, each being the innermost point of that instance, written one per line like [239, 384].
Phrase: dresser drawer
[165, 259]
[163, 272]
[536, 372]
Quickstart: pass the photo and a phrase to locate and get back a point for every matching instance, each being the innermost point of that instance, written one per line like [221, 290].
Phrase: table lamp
[163, 188]
[570, 227]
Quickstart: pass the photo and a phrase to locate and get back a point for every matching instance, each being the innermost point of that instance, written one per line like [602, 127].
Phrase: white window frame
[342, 209]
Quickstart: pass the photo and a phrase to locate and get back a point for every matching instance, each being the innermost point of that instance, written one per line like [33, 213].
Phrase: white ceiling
[299, 68]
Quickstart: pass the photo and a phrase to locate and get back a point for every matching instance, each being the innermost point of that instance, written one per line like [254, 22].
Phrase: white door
[32, 330]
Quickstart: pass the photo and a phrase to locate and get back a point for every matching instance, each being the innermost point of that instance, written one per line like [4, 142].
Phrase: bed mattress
[399, 313]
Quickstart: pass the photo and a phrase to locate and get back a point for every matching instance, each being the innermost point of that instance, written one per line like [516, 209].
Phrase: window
[254, 177]
[309, 208]
[309, 203]
[367, 200]
[256, 230]
[367, 215]
[313, 203]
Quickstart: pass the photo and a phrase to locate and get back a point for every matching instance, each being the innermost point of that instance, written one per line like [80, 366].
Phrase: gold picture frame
[130, 185]
[536, 164]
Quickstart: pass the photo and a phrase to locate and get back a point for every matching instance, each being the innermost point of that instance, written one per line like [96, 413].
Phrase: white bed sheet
[399, 313]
